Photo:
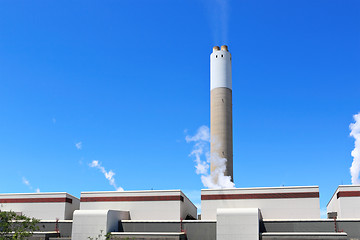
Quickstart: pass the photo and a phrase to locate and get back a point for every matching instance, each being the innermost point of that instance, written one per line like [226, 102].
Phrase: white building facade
[44, 206]
[345, 202]
[273, 202]
[142, 205]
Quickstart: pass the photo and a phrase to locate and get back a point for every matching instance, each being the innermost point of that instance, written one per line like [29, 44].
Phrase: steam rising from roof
[109, 175]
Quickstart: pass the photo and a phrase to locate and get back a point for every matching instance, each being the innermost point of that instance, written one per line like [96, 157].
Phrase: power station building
[226, 214]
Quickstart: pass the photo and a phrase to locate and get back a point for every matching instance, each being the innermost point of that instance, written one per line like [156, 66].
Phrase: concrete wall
[96, 223]
[221, 128]
[195, 230]
[45, 206]
[71, 207]
[142, 205]
[351, 227]
[333, 205]
[63, 226]
[346, 202]
[274, 203]
[221, 109]
[304, 236]
[187, 208]
[237, 223]
[147, 236]
[206, 230]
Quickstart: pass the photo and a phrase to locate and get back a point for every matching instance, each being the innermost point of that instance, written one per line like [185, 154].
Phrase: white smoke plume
[201, 147]
[27, 183]
[355, 166]
[218, 14]
[78, 145]
[108, 175]
[216, 179]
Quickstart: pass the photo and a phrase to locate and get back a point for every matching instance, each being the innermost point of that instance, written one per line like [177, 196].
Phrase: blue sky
[130, 79]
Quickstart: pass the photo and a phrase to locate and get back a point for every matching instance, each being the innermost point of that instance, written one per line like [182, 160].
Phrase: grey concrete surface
[146, 226]
[200, 230]
[148, 236]
[303, 236]
[64, 227]
[351, 227]
[194, 230]
[221, 127]
[206, 230]
[43, 235]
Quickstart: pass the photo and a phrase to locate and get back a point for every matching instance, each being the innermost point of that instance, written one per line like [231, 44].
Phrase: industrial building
[274, 202]
[41, 205]
[232, 213]
[345, 202]
[142, 205]
[238, 213]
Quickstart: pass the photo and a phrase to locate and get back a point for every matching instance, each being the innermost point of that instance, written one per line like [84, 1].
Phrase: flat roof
[342, 186]
[133, 191]
[142, 192]
[260, 188]
[34, 194]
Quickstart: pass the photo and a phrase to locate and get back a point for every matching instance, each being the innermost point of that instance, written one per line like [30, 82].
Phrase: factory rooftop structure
[274, 202]
[345, 202]
[237, 213]
[52, 206]
[266, 213]
[142, 205]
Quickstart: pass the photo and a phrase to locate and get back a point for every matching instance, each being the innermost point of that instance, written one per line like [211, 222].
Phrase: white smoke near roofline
[108, 175]
[355, 166]
[217, 178]
[27, 183]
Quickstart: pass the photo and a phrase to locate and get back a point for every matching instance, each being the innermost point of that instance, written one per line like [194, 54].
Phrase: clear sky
[128, 80]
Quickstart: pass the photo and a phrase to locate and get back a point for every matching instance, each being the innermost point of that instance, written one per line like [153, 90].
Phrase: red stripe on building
[35, 200]
[132, 199]
[348, 194]
[261, 196]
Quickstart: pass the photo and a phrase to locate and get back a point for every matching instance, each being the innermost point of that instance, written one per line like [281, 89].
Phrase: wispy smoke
[201, 147]
[218, 13]
[27, 183]
[108, 175]
[78, 145]
[355, 133]
[217, 178]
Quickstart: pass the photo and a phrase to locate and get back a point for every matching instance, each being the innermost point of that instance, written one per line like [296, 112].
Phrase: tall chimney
[221, 107]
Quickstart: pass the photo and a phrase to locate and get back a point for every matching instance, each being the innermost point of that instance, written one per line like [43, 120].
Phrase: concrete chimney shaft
[221, 107]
